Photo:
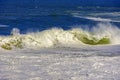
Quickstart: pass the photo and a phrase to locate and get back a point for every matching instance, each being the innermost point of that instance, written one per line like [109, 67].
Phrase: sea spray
[107, 30]
[100, 35]
[15, 31]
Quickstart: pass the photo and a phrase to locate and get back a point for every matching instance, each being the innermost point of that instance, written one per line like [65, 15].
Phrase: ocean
[59, 41]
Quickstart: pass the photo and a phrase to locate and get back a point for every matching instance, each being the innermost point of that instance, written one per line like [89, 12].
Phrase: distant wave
[115, 14]
[102, 34]
[97, 19]
[3, 25]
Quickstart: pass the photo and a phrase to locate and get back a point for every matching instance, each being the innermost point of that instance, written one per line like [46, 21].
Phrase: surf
[101, 34]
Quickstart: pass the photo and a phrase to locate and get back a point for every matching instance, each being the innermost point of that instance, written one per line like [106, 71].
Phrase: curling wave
[100, 35]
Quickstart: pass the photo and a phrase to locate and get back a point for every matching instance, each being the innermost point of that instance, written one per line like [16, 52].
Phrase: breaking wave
[101, 34]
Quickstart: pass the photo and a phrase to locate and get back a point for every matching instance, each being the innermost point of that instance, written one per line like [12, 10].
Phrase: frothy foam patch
[100, 35]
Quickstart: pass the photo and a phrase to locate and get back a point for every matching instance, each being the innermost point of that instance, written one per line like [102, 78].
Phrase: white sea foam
[60, 63]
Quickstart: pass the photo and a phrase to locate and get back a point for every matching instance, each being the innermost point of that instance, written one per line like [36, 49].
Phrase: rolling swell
[100, 35]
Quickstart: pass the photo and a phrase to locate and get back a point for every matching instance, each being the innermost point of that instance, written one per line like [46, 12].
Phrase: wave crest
[100, 35]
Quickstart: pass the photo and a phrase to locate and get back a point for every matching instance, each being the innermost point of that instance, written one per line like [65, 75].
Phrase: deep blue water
[37, 15]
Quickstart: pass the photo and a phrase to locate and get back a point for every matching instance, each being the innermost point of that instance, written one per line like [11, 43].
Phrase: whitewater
[46, 40]
[102, 34]
[57, 54]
